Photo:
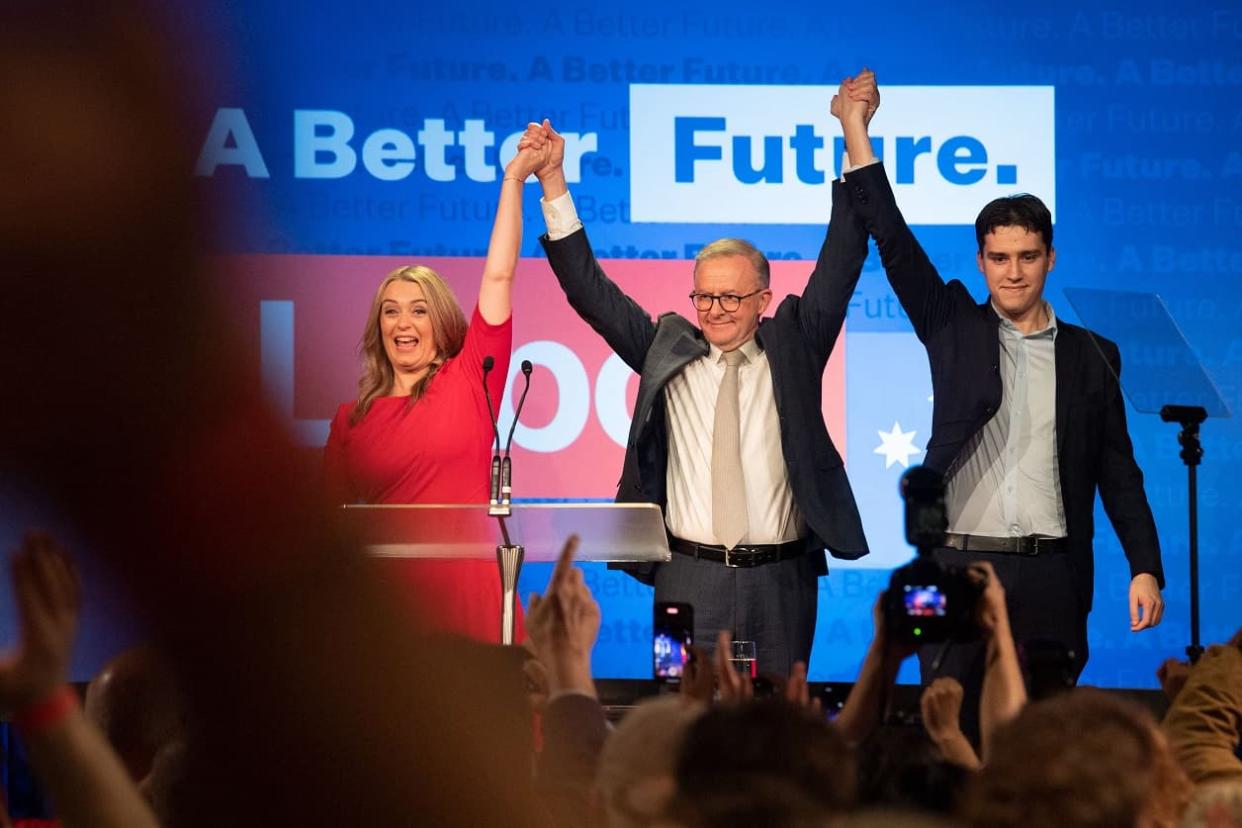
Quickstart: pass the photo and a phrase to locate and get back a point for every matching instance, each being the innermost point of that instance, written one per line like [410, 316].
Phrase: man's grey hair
[736, 247]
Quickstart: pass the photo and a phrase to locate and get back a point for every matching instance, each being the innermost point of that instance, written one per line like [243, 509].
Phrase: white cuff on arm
[847, 168]
[561, 216]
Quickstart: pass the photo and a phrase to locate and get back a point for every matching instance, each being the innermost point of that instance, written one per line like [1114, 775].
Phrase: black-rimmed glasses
[729, 302]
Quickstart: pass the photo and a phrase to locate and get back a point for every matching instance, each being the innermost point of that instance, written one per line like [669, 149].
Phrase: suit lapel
[676, 344]
[768, 337]
[684, 348]
[1068, 352]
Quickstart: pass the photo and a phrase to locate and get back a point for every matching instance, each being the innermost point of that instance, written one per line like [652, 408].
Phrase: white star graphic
[897, 446]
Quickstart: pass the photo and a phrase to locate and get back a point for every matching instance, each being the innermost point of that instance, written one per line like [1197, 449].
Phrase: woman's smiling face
[405, 328]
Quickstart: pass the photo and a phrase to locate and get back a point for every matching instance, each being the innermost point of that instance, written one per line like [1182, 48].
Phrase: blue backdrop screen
[379, 130]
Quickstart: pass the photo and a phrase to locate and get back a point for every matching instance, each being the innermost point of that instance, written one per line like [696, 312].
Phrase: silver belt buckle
[727, 561]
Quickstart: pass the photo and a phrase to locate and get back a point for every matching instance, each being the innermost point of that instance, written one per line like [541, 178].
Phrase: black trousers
[1044, 608]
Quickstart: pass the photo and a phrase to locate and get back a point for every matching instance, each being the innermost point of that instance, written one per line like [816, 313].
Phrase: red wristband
[48, 713]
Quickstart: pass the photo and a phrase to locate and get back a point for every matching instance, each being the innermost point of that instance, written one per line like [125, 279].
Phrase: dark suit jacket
[963, 347]
[797, 340]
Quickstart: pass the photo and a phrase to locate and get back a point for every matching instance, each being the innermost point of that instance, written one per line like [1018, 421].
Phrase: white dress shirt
[1005, 482]
[690, 408]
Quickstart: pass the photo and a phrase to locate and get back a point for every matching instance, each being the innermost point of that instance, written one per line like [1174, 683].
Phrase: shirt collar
[750, 348]
[1049, 330]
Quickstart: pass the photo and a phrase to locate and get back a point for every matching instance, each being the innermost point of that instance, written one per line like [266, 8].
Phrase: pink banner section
[299, 320]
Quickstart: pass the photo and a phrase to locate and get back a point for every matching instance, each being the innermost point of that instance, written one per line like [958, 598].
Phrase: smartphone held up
[672, 633]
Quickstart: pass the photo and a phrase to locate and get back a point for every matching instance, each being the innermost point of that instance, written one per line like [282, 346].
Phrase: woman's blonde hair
[448, 327]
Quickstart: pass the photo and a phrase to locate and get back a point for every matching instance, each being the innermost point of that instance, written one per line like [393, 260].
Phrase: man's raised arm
[827, 294]
[626, 327]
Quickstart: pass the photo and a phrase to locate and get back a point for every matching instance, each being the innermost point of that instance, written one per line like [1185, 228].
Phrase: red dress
[437, 451]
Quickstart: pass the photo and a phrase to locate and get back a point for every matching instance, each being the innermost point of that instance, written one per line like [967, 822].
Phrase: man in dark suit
[1028, 421]
[728, 435]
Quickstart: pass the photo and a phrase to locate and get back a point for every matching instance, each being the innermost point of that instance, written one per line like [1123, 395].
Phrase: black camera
[928, 601]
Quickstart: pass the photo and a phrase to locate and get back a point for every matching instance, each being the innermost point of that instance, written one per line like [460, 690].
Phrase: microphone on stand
[488, 364]
[506, 474]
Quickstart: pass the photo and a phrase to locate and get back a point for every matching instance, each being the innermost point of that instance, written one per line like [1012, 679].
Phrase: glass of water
[743, 658]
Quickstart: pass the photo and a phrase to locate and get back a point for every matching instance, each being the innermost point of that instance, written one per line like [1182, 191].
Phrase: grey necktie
[729, 518]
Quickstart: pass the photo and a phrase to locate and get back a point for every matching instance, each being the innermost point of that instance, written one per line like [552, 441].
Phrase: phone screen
[672, 634]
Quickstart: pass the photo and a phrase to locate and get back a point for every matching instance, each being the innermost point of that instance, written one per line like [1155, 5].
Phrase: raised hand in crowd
[562, 625]
[535, 677]
[941, 708]
[85, 779]
[698, 679]
[993, 614]
[798, 690]
[865, 706]
[551, 172]
[1003, 694]
[46, 590]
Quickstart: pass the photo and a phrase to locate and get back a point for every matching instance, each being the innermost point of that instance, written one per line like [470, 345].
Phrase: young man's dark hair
[1025, 211]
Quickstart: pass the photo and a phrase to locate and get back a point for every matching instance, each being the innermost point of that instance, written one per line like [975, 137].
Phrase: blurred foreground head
[635, 778]
[1082, 758]
[313, 701]
[900, 767]
[763, 763]
[104, 330]
[135, 703]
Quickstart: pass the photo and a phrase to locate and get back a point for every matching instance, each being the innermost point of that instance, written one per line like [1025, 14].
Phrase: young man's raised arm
[919, 287]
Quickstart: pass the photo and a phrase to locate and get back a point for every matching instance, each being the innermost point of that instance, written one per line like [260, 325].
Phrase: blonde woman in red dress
[420, 431]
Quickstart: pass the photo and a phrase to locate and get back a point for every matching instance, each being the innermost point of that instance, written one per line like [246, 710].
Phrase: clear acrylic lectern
[1162, 376]
[626, 532]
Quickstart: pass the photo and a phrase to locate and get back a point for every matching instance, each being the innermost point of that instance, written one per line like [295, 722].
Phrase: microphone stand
[1189, 417]
[509, 555]
[494, 487]
[506, 466]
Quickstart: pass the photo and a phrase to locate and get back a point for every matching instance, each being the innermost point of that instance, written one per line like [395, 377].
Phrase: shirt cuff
[847, 168]
[561, 216]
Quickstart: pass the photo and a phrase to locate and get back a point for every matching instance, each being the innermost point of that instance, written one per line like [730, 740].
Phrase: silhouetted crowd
[713, 754]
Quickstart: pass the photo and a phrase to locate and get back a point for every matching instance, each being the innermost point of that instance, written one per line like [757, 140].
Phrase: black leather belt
[746, 555]
[1029, 545]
